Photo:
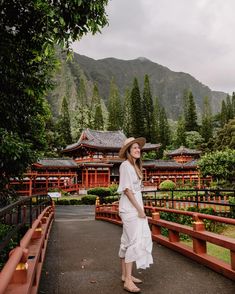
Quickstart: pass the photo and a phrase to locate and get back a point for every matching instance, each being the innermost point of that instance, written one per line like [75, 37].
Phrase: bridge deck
[82, 259]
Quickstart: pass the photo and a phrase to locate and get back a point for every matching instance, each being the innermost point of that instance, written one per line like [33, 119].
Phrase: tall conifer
[223, 114]
[156, 116]
[114, 108]
[136, 111]
[164, 129]
[64, 127]
[207, 125]
[96, 116]
[180, 139]
[127, 117]
[148, 110]
[191, 115]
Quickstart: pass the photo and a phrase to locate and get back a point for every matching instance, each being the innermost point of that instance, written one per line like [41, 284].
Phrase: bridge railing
[198, 233]
[218, 200]
[22, 270]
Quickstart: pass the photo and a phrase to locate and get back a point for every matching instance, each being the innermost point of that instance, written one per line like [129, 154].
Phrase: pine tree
[233, 103]
[64, 128]
[96, 119]
[229, 108]
[156, 115]
[191, 115]
[148, 110]
[164, 129]
[207, 125]
[114, 108]
[127, 118]
[80, 120]
[137, 128]
[223, 114]
[180, 139]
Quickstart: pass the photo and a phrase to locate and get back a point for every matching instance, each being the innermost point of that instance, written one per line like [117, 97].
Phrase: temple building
[96, 154]
[93, 162]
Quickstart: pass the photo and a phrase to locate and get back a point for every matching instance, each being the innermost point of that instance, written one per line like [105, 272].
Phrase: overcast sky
[192, 36]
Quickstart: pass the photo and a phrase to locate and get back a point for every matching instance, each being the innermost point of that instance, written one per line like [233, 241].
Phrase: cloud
[190, 36]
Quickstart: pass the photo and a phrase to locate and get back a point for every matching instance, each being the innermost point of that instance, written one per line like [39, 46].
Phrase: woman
[136, 241]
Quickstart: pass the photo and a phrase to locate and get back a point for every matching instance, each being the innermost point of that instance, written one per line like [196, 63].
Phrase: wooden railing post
[20, 274]
[232, 254]
[156, 230]
[199, 246]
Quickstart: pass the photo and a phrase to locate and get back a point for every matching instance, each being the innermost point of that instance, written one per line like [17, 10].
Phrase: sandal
[133, 289]
[135, 280]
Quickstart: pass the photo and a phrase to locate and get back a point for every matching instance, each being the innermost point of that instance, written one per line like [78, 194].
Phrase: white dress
[136, 240]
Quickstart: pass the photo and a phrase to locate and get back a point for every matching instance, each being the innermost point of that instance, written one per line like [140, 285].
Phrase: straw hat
[128, 142]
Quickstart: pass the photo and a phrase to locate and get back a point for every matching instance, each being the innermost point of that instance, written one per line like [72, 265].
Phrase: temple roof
[109, 140]
[56, 162]
[184, 151]
[164, 164]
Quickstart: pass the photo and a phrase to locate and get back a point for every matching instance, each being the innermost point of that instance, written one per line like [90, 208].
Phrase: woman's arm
[133, 201]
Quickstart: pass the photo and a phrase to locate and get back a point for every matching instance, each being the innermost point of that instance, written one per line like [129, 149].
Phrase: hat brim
[141, 141]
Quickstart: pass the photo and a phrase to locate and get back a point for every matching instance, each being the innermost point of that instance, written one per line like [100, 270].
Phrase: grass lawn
[217, 251]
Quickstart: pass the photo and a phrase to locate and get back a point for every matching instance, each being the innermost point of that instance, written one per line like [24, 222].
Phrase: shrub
[110, 199]
[167, 185]
[101, 192]
[113, 189]
[89, 199]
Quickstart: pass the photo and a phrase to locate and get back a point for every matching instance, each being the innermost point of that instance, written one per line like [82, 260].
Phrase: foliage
[137, 119]
[167, 185]
[101, 192]
[127, 113]
[225, 137]
[27, 63]
[218, 164]
[148, 110]
[114, 108]
[193, 139]
[190, 114]
[180, 138]
[164, 129]
[113, 189]
[63, 126]
[207, 126]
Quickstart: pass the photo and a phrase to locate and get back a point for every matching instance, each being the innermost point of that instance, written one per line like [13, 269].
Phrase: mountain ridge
[167, 85]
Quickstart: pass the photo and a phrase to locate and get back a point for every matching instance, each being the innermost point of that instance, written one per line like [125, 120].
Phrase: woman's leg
[129, 284]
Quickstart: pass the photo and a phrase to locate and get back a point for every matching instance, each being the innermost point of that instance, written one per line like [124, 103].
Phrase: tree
[229, 108]
[164, 129]
[81, 116]
[156, 116]
[114, 108]
[193, 140]
[180, 139]
[225, 137]
[233, 103]
[148, 110]
[223, 114]
[127, 118]
[63, 126]
[218, 164]
[207, 125]
[137, 128]
[97, 120]
[27, 63]
[191, 115]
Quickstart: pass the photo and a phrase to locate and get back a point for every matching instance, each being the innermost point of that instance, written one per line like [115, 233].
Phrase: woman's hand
[141, 214]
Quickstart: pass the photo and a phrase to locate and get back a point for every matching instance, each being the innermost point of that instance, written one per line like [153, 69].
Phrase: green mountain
[168, 85]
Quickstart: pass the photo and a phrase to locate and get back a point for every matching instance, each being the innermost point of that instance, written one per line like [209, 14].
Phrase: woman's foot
[131, 287]
[135, 280]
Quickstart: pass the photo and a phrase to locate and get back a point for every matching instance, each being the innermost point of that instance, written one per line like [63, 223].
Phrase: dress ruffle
[137, 247]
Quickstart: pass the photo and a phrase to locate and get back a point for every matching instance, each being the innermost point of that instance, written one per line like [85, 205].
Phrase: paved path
[82, 259]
